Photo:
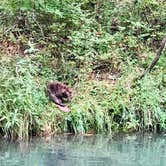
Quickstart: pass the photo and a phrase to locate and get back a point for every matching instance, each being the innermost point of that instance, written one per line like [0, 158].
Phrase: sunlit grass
[74, 43]
[96, 105]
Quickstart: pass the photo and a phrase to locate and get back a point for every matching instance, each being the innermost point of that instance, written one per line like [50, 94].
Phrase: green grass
[74, 43]
[96, 106]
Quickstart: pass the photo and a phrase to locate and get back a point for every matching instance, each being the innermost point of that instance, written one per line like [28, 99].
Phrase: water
[97, 150]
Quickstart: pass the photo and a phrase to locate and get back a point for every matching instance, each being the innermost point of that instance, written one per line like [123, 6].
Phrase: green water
[98, 150]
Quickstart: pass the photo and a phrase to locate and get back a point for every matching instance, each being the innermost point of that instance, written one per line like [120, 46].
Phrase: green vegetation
[98, 47]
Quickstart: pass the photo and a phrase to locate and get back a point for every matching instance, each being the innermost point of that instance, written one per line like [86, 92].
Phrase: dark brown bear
[59, 93]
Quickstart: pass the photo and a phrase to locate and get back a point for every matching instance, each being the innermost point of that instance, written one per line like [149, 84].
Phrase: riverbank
[98, 49]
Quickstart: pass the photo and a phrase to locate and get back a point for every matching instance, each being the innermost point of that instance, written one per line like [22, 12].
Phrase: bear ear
[66, 88]
[63, 87]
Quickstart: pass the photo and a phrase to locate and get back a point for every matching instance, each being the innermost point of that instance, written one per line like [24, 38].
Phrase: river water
[97, 150]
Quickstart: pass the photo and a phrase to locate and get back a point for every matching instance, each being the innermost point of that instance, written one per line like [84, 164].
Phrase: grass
[97, 106]
[98, 48]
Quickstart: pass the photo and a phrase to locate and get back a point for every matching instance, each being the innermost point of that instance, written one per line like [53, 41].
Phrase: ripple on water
[97, 150]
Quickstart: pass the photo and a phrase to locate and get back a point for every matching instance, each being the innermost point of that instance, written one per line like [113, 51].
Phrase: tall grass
[75, 42]
[96, 106]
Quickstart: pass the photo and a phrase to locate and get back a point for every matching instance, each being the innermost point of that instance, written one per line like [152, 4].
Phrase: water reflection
[98, 150]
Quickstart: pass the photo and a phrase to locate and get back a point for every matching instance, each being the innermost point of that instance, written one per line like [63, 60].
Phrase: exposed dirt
[11, 48]
[17, 48]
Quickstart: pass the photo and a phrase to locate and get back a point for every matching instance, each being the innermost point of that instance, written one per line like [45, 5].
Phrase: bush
[98, 48]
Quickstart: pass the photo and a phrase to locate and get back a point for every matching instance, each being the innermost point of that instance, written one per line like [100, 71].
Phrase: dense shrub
[98, 48]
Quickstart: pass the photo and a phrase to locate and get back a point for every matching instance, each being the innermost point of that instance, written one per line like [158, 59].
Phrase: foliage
[98, 48]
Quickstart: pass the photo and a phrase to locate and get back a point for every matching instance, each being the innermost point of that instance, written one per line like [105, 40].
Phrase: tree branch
[156, 58]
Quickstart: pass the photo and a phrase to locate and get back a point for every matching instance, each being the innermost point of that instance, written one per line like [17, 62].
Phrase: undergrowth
[96, 47]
